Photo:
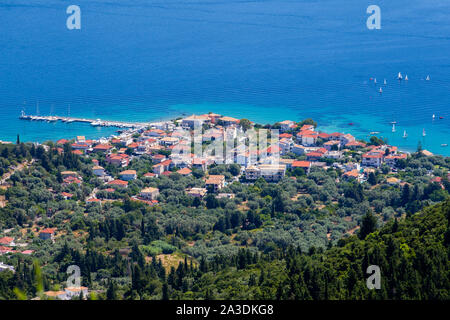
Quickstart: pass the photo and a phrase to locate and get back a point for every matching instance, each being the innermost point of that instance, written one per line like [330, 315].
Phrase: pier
[96, 122]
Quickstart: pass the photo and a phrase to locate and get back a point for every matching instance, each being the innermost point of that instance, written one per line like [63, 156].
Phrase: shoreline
[132, 127]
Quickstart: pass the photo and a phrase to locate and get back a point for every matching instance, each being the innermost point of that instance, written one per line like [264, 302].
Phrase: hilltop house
[98, 171]
[215, 182]
[197, 192]
[128, 175]
[149, 193]
[269, 172]
[195, 121]
[47, 234]
[7, 241]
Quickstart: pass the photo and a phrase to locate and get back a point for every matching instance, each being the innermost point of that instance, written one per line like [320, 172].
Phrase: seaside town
[149, 181]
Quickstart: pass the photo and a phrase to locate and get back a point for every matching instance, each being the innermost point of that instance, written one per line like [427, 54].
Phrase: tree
[165, 291]
[419, 147]
[111, 293]
[406, 194]
[372, 179]
[234, 169]
[211, 201]
[245, 124]
[369, 225]
[307, 121]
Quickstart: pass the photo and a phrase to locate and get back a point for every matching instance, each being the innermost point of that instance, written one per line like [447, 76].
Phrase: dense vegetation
[306, 237]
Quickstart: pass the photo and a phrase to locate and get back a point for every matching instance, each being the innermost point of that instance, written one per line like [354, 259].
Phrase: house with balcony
[215, 182]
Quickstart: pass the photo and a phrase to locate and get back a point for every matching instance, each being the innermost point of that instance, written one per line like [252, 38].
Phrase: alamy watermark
[74, 20]
[74, 279]
[374, 20]
[374, 281]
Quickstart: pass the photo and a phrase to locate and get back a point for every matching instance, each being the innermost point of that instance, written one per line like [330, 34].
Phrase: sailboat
[406, 78]
[381, 90]
[375, 80]
[385, 83]
[434, 116]
[393, 127]
[423, 132]
[399, 77]
[428, 78]
[405, 135]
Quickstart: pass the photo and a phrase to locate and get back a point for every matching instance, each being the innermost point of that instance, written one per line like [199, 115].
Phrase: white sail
[405, 134]
[400, 77]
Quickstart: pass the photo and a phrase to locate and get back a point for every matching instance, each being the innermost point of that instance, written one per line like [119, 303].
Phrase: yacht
[96, 123]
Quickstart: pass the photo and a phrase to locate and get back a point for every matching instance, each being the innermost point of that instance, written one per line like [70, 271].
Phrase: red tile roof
[324, 135]
[118, 182]
[48, 230]
[301, 164]
[184, 171]
[150, 174]
[6, 240]
[102, 147]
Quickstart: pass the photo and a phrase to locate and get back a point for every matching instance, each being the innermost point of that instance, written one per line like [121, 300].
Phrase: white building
[98, 171]
[270, 172]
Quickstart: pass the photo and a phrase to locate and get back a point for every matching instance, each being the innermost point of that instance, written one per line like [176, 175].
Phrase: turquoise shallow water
[267, 61]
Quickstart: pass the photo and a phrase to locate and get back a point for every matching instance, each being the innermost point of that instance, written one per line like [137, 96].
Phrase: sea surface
[266, 60]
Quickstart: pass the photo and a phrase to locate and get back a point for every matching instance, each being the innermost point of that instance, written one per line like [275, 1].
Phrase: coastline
[169, 118]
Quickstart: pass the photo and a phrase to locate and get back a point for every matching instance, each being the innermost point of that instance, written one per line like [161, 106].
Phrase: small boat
[441, 117]
[405, 135]
[444, 145]
[399, 77]
[375, 132]
[350, 123]
[381, 90]
[406, 78]
[393, 127]
[428, 78]
[96, 123]
[423, 132]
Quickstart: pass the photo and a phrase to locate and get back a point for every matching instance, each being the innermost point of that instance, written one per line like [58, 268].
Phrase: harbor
[93, 122]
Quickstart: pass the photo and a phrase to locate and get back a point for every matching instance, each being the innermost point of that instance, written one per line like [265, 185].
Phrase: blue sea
[266, 60]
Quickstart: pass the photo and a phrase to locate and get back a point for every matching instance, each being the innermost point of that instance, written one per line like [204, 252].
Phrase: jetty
[93, 122]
